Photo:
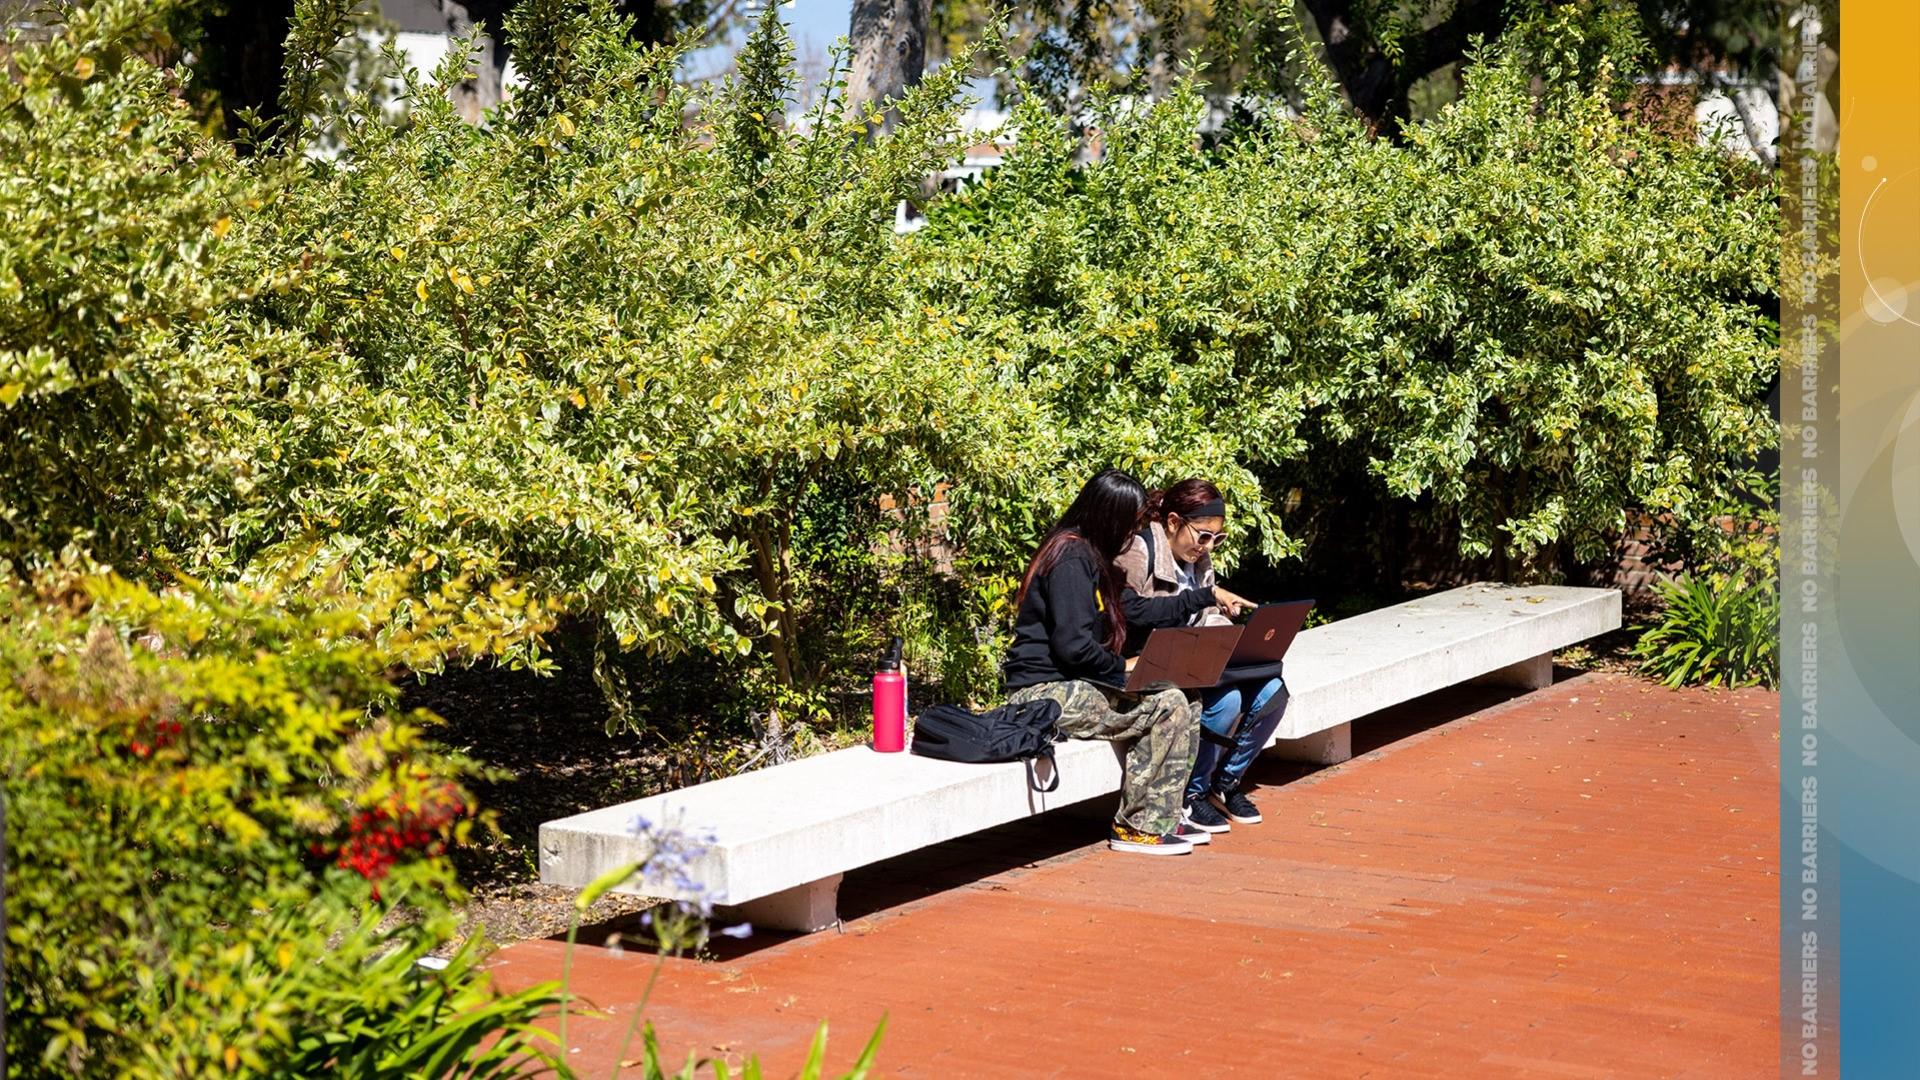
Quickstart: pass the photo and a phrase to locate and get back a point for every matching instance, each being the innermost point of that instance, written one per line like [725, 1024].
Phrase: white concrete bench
[783, 836]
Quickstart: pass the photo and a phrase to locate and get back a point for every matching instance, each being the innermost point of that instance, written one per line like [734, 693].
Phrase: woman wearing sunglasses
[1171, 555]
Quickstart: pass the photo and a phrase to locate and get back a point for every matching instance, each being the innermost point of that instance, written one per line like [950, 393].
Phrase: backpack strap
[1033, 776]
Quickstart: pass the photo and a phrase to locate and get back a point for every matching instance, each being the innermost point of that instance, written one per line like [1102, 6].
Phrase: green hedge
[225, 849]
[657, 353]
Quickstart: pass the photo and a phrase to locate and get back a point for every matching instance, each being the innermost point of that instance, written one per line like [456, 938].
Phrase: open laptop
[1268, 634]
[1190, 657]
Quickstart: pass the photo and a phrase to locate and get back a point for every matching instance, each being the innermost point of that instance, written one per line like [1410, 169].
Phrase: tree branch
[1376, 86]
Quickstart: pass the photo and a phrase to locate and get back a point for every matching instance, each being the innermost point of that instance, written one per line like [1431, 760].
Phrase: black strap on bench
[1033, 778]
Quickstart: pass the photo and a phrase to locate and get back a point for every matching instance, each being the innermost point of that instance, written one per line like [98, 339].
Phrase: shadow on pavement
[981, 859]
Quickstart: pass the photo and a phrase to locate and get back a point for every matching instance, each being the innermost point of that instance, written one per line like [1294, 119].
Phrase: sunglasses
[1208, 539]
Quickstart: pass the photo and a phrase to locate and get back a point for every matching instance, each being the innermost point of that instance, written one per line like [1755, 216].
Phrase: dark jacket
[1060, 629]
[1153, 598]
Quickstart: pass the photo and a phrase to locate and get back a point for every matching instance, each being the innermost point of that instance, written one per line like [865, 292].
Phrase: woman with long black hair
[1067, 638]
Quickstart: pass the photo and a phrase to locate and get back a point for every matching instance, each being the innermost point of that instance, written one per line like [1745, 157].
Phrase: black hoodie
[1061, 628]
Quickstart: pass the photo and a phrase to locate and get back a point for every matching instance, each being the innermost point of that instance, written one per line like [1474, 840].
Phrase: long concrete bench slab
[777, 840]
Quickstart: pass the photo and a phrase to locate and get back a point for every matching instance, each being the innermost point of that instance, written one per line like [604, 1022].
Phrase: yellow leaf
[399, 253]
[579, 402]
[718, 402]
[11, 392]
[564, 123]
[420, 290]
[432, 560]
[220, 227]
[83, 67]
[284, 954]
[660, 605]
[232, 1058]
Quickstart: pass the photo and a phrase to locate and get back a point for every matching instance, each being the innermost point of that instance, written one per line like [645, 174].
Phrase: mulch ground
[549, 733]
[1576, 882]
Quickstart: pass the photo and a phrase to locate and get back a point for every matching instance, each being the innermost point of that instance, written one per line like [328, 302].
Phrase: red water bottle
[890, 703]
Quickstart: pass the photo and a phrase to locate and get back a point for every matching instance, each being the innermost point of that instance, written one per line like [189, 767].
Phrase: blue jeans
[1219, 708]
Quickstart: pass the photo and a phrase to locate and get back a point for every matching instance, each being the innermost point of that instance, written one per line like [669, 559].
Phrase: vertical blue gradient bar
[1850, 575]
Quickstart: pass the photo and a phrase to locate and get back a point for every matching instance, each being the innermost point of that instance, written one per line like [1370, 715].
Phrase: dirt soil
[549, 732]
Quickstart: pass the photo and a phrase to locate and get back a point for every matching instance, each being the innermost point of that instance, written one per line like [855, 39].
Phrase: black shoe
[1124, 838]
[1206, 817]
[1192, 834]
[1238, 808]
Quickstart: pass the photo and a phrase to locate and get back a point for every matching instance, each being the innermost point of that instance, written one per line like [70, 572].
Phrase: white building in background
[425, 29]
[1739, 116]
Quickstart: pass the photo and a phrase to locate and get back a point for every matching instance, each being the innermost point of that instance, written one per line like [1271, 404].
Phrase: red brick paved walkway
[1579, 882]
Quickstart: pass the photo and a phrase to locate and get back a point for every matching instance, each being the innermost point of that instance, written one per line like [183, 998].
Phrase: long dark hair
[1103, 517]
[1184, 498]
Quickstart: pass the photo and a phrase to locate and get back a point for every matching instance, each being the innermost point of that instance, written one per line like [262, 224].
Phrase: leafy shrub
[1716, 630]
[225, 848]
[656, 353]
[1530, 315]
[623, 359]
[111, 228]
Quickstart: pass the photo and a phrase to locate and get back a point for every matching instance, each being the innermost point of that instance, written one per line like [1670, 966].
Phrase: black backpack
[1024, 732]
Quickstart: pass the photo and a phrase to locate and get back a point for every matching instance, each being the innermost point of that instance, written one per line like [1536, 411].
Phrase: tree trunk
[1374, 83]
[889, 43]
[244, 56]
[766, 567]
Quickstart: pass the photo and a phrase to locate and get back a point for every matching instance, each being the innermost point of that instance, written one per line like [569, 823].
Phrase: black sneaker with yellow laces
[1127, 838]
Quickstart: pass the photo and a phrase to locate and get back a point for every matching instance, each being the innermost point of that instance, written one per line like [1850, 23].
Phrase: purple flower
[672, 853]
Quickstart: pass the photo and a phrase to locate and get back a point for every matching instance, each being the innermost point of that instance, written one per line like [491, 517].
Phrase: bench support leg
[1533, 673]
[1329, 747]
[805, 908]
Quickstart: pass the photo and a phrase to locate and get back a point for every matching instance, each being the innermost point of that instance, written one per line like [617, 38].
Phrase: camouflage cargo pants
[1161, 728]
